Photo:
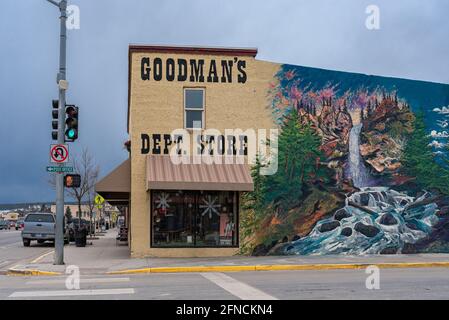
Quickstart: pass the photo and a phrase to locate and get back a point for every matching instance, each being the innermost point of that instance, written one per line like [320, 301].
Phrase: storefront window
[194, 218]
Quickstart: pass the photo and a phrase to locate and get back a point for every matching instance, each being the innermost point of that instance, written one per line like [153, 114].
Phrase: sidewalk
[105, 257]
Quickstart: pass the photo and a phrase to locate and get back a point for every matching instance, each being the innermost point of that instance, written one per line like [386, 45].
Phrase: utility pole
[62, 84]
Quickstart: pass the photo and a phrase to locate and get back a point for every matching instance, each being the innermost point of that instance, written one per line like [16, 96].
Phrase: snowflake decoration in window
[209, 206]
[163, 201]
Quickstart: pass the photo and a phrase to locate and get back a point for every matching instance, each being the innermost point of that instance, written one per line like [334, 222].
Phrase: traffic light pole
[59, 232]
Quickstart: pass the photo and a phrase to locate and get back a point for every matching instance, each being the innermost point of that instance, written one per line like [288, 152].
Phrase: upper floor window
[194, 105]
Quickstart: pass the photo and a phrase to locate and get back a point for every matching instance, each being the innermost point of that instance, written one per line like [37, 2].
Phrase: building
[187, 102]
[10, 216]
[74, 210]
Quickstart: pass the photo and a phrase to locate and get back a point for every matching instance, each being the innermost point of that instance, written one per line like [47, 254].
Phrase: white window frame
[203, 109]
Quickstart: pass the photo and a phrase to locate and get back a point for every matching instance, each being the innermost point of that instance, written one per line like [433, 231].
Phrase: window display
[194, 218]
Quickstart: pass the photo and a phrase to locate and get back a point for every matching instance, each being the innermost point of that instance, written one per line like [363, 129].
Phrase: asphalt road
[283, 285]
[13, 252]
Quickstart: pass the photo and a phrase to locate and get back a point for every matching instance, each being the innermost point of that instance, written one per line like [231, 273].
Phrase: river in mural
[374, 220]
[374, 198]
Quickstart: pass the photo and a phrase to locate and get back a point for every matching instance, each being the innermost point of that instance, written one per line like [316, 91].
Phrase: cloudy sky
[412, 43]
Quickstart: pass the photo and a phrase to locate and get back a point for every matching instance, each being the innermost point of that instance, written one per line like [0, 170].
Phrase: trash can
[80, 238]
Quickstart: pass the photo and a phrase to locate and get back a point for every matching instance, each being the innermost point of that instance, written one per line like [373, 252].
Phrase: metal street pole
[59, 232]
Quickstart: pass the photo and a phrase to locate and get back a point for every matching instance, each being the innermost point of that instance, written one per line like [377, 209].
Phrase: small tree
[68, 214]
[89, 172]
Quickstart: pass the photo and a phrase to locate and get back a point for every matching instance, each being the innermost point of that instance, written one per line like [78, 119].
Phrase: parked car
[39, 227]
[12, 224]
[4, 225]
[19, 224]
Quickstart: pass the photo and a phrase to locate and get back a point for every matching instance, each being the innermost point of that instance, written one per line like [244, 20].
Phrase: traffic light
[72, 181]
[71, 123]
[54, 123]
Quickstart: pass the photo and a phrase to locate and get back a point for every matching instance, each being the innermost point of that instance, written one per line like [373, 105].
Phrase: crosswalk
[158, 286]
[62, 291]
[237, 288]
[71, 293]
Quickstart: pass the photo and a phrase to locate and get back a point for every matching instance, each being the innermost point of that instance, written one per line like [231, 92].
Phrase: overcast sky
[412, 43]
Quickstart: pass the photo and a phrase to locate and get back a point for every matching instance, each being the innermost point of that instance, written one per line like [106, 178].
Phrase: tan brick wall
[157, 107]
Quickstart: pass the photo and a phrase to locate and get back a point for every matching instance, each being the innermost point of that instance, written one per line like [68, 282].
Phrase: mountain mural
[363, 167]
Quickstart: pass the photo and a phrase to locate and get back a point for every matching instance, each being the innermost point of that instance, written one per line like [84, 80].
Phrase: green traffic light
[71, 134]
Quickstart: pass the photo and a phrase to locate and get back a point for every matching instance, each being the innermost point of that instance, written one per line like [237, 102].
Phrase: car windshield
[39, 218]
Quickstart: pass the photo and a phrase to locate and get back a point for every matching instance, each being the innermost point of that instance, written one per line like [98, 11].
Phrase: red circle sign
[59, 153]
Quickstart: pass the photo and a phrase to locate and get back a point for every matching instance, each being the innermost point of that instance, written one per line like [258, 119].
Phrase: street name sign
[59, 169]
[59, 153]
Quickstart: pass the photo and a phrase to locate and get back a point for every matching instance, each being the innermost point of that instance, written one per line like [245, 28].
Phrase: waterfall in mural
[357, 169]
[374, 219]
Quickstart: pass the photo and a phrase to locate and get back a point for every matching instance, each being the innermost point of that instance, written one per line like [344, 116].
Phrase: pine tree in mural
[299, 156]
[255, 201]
[254, 207]
[419, 160]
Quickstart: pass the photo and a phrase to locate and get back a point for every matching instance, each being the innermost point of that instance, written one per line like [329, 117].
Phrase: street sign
[59, 169]
[99, 200]
[59, 153]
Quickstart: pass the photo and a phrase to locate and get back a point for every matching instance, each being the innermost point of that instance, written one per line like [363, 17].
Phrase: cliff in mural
[363, 167]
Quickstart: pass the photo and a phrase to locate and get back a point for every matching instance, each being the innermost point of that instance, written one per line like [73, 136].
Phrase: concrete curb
[281, 267]
[29, 272]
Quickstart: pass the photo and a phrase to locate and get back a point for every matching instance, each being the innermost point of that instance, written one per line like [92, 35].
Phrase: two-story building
[187, 105]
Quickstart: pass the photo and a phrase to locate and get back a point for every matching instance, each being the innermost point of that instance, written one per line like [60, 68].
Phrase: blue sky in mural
[432, 98]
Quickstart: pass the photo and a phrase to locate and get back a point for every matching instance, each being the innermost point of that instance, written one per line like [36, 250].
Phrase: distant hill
[16, 206]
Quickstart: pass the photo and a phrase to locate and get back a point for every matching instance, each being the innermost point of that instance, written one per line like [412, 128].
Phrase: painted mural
[363, 167]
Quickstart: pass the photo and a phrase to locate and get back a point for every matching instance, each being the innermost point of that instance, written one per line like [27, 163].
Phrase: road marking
[66, 293]
[4, 263]
[10, 245]
[42, 257]
[82, 280]
[237, 288]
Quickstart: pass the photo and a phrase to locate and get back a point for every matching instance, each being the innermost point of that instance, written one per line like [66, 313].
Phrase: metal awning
[116, 186]
[163, 174]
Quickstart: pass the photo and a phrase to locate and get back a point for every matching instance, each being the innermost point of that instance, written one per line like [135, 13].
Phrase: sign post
[61, 81]
[99, 200]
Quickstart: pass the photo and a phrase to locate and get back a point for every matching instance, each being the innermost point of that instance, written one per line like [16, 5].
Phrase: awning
[163, 174]
[116, 186]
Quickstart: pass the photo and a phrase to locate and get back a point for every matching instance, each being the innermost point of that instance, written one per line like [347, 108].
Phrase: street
[12, 250]
[103, 256]
[283, 285]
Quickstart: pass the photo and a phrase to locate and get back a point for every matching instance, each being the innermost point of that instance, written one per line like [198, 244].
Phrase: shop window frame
[197, 193]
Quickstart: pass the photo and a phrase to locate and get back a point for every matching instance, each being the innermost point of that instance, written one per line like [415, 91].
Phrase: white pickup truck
[40, 227]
